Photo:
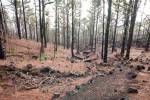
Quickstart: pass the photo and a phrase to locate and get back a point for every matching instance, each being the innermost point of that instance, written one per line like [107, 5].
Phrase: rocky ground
[23, 76]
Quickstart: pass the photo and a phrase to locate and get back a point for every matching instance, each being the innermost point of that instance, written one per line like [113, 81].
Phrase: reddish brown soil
[109, 87]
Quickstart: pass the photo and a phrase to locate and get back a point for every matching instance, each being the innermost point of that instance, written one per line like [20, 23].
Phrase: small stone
[56, 95]
[91, 81]
[131, 66]
[78, 87]
[120, 70]
[131, 75]
[44, 70]
[136, 59]
[115, 90]
[110, 72]
[10, 67]
[131, 59]
[35, 57]
[132, 90]
[125, 98]
[71, 93]
[144, 81]
[148, 69]
[140, 67]
[27, 68]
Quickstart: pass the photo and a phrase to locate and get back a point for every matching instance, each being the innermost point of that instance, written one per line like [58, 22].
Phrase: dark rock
[131, 75]
[27, 68]
[55, 95]
[110, 72]
[148, 69]
[71, 74]
[10, 67]
[71, 93]
[115, 90]
[131, 59]
[132, 90]
[35, 71]
[144, 81]
[91, 81]
[136, 59]
[35, 57]
[131, 66]
[78, 87]
[125, 98]
[140, 67]
[45, 70]
[120, 70]
[142, 51]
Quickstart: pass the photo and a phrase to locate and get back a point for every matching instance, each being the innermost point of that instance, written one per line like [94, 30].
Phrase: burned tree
[107, 30]
[2, 49]
[132, 24]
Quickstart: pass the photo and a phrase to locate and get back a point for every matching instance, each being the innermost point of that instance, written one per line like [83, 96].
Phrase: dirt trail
[110, 87]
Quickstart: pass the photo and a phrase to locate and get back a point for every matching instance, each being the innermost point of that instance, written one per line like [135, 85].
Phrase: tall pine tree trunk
[107, 30]
[2, 49]
[24, 19]
[131, 30]
[41, 30]
[103, 25]
[115, 31]
[126, 26]
[67, 11]
[148, 39]
[17, 19]
[37, 36]
[79, 29]
[72, 43]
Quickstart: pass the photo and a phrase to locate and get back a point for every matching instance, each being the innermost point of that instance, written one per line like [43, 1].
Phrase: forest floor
[24, 77]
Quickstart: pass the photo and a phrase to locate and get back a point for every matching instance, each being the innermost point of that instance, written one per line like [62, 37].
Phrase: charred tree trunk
[103, 25]
[148, 39]
[37, 36]
[115, 31]
[72, 43]
[107, 31]
[133, 19]
[41, 30]
[17, 19]
[56, 27]
[24, 19]
[2, 49]
[79, 29]
[126, 26]
[67, 11]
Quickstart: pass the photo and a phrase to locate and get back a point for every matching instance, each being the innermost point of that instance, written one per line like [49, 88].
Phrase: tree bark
[103, 25]
[132, 24]
[17, 19]
[107, 30]
[116, 23]
[72, 43]
[126, 26]
[2, 49]
[24, 19]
